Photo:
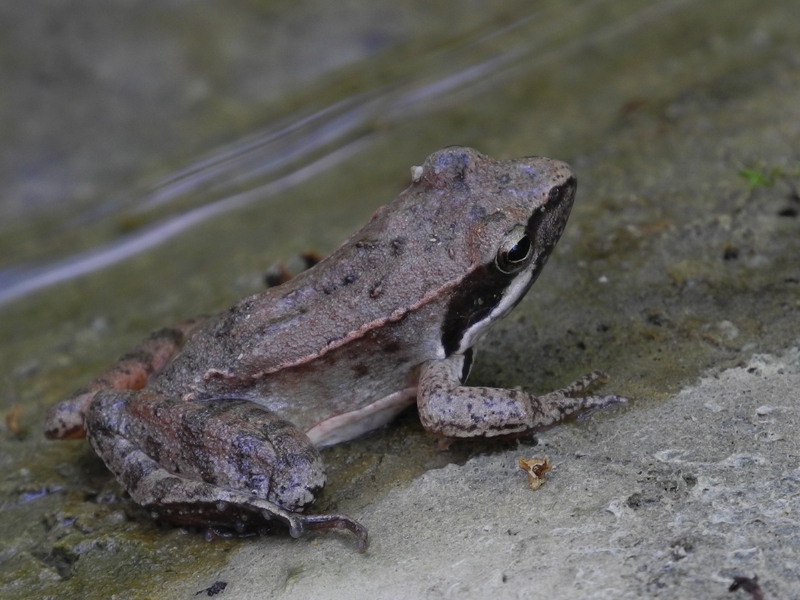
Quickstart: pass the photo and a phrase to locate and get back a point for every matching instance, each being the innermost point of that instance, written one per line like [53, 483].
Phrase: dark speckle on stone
[216, 588]
[730, 253]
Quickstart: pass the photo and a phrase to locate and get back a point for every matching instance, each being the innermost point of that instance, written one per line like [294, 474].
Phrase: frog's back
[367, 285]
[411, 256]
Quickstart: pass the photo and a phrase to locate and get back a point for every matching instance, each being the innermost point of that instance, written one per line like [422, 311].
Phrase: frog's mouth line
[487, 294]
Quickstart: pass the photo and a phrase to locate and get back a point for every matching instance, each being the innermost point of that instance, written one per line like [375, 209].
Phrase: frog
[218, 421]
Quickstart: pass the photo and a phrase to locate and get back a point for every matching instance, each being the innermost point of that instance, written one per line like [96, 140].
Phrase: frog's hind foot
[65, 420]
[247, 515]
[222, 464]
[308, 522]
[186, 502]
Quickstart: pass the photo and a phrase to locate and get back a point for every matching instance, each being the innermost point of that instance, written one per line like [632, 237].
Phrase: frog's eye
[515, 250]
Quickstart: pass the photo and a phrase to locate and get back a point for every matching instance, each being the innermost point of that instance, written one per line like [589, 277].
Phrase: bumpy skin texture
[229, 408]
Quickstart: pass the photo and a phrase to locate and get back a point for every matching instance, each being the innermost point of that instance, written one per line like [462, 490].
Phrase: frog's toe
[590, 404]
[65, 420]
[336, 522]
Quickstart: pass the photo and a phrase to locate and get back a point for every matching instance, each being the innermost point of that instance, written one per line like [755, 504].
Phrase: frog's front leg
[227, 463]
[64, 420]
[448, 408]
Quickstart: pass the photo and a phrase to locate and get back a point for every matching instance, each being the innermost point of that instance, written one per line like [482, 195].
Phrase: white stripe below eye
[475, 332]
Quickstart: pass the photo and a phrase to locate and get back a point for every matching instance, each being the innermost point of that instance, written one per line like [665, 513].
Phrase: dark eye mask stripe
[484, 288]
[545, 226]
[476, 297]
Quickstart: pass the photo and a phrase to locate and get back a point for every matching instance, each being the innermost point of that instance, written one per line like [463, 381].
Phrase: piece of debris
[216, 588]
[280, 273]
[13, 419]
[535, 468]
[749, 585]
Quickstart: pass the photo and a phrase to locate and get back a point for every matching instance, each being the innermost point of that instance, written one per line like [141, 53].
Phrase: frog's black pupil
[520, 250]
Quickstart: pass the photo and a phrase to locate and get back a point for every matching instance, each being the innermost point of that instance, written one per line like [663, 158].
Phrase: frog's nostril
[562, 193]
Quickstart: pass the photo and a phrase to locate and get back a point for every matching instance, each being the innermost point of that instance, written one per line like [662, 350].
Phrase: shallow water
[336, 111]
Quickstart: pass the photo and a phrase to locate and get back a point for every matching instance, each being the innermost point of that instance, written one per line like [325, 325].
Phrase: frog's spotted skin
[215, 421]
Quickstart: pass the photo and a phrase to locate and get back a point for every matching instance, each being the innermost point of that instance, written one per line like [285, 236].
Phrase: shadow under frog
[216, 421]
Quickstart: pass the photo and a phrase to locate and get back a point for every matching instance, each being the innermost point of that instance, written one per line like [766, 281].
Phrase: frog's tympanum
[217, 421]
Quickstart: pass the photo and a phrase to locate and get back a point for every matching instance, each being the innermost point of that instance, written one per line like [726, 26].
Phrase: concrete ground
[669, 500]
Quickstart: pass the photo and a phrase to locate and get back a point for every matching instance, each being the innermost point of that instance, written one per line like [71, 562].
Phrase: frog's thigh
[449, 408]
[65, 419]
[206, 463]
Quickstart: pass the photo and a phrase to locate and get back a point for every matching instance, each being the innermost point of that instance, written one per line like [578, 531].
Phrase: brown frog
[216, 421]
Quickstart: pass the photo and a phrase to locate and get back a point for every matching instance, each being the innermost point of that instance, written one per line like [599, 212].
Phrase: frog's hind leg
[221, 463]
[64, 420]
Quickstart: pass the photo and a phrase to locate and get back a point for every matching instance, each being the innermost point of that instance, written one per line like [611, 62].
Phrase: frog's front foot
[219, 463]
[446, 407]
[566, 401]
